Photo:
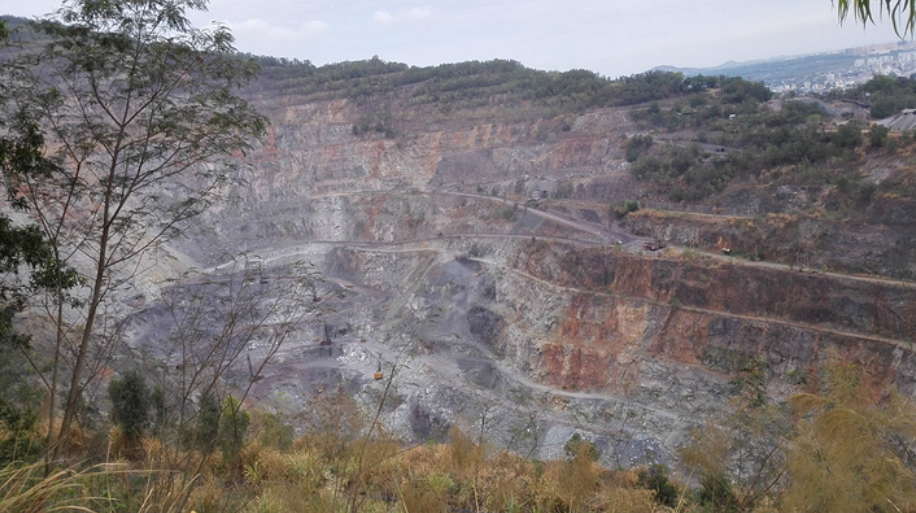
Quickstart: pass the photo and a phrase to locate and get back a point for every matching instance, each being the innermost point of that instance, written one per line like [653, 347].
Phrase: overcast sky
[611, 37]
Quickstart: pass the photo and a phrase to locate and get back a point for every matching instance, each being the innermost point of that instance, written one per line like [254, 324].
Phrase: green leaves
[126, 123]
[130, 403]
[233, 430]
[902, 13]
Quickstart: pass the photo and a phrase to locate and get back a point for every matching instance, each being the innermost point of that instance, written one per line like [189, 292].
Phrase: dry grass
[323, 474]
[25, 489]
[332, 469]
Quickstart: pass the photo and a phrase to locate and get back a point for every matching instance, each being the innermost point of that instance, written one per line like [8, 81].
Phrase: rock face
[532, 321]
[886, 248]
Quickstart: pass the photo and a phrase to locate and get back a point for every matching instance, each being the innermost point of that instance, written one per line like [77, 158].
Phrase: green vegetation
[233, 429]
[761, 458]
[18, 424]
[130, 405]
[656, 478]
[577, 446]
[157, 102]
[739, 139]
[637, 145]
[504, 87]
[725, 135]
[902, 13]
[621, 209]
[29, 267]
[207, 432]
[883, 95]
[467, 85]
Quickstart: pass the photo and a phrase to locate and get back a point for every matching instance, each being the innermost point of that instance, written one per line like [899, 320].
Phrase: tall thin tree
[143, 122]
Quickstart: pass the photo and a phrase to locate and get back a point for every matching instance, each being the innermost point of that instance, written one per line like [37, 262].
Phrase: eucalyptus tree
[902, 13]
[141, 117]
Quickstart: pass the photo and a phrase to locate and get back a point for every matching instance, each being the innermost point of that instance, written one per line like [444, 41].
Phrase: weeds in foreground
[341, 466]
[25, 489]
[322, 474]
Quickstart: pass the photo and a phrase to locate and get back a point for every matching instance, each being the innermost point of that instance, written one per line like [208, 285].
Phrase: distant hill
[14, 21]
[820, 71]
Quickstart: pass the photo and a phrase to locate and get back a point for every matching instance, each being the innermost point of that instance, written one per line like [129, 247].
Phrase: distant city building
[824, 72]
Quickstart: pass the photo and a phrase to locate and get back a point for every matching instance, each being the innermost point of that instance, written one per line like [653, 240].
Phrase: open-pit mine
[470, 269]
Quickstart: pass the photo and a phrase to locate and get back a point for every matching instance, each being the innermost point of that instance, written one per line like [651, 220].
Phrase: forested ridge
[467, 84]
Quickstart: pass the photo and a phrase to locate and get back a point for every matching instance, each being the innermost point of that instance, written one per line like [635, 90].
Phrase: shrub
[274, 432]
[877, 136]
[636, 146]
[233, 428]
[622, 209]
[130, 401]
[655, 478]
[577, 446]
[205, 436]
[716, 492]
[19, 438]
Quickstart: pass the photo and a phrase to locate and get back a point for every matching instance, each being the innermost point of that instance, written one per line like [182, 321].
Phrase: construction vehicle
[378, 371]
[723, 246]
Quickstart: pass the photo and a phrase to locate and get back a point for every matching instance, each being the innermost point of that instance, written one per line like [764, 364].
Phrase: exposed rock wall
[872, 249]
[616, 335]
[487, 308]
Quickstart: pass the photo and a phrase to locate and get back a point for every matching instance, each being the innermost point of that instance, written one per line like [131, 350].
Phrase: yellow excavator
[378, 371]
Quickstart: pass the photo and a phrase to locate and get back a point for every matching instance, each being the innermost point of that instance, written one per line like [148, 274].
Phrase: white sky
[610, 37]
